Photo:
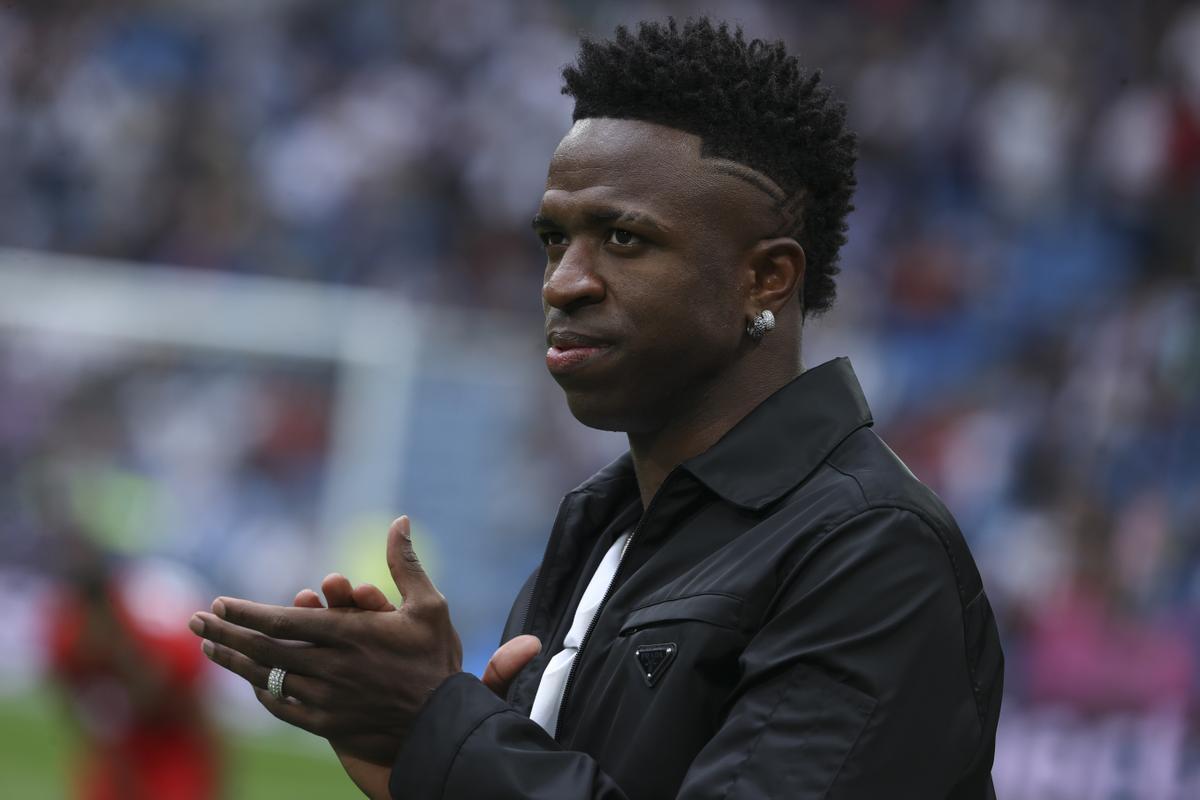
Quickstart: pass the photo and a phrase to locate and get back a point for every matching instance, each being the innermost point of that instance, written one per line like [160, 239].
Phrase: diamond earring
[762, 323]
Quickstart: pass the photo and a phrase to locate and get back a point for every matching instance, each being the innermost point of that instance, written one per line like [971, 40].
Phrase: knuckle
[267, 651]
[435, 604]
[440, 609]
[222, 656]
[280, 624]
[216, 631]
[253, 648]
[420, 609]
[429, 617]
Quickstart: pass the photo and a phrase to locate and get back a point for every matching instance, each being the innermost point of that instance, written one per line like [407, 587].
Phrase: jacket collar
[773, 448]
[783, 440]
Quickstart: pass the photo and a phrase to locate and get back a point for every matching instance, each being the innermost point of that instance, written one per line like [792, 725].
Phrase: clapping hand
[353, 676]
[508, 660]
[358, 671]
[502, 667]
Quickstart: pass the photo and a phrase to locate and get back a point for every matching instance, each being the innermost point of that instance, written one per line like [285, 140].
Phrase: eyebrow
[605, 216]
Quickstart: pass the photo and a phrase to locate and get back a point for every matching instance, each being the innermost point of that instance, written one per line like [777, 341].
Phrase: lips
[571, 351]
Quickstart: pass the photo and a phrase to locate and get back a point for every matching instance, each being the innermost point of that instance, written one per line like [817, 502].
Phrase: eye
[552, 238]
[623, 238]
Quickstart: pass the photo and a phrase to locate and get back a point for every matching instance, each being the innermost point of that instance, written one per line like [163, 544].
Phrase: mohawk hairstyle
[748, 102]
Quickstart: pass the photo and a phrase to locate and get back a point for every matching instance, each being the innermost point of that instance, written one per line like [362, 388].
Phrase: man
[131, 677]
[758, 599]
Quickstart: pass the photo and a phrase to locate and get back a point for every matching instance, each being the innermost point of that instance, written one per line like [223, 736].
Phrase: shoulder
[873, 541]
[863, 492]
[882, 480]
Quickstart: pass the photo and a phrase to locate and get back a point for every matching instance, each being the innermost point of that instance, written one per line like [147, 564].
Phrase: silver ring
[275, 681]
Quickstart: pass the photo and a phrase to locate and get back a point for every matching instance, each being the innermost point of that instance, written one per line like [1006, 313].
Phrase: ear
[775, 272]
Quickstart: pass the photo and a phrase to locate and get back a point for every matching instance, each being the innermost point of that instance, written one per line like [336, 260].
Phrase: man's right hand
[502, 667]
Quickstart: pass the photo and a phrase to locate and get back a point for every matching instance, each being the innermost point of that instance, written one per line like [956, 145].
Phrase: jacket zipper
[587, 634]
[529, 603]
[524, 625]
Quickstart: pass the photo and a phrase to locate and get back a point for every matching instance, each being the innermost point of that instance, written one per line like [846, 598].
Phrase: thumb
[407, 573]
[510, 659]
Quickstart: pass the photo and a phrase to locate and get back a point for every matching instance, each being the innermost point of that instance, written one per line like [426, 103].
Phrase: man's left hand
[355, 676]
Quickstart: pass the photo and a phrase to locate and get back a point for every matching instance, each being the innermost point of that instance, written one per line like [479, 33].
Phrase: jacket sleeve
[467, 743]
[856, 687]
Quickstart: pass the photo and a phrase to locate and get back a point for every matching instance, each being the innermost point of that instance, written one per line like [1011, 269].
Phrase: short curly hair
[749, 102]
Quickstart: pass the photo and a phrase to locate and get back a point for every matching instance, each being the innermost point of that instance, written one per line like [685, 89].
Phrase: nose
[572, 282]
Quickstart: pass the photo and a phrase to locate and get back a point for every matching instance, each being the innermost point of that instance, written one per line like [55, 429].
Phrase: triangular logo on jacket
[654, 660]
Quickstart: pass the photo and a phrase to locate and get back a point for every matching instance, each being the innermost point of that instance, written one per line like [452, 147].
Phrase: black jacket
[797, 616]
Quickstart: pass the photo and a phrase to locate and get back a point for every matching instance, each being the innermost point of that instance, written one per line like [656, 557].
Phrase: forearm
[468, 743]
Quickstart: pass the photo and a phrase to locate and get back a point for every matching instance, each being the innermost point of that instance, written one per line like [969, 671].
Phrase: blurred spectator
[131, 678]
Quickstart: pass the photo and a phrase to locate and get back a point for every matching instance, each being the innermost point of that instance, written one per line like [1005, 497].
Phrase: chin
[604, 412]
[594, 415]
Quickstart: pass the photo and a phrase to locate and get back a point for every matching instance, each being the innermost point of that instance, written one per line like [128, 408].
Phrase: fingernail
[196, 624]
[207, 647]
[218, 608]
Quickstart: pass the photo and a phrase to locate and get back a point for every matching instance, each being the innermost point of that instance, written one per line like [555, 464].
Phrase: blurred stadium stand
[349, 328]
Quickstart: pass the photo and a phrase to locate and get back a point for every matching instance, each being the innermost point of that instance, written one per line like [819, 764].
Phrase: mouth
[570, 352]
[562, 361]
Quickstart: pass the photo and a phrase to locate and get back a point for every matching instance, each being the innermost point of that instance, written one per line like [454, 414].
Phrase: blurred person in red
[130, 673]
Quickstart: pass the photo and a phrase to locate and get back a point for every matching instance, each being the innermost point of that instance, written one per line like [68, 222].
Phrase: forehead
[652, 167]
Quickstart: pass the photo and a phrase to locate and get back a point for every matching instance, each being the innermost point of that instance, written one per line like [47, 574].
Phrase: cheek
[693, 316]
[715, 304]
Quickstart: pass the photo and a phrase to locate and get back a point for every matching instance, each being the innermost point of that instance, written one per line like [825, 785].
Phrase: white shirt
[549, 697]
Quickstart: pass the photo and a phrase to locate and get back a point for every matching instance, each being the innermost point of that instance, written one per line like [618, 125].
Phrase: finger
[255, 645]
[314, 625]
[250, 643]
[301, 687]
[307, 598]
[370, 597]
[292, 712]
[410, 577]
[509, 660]
[337, 589]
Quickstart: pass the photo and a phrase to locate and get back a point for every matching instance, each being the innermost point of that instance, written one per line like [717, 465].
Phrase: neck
[696, 425]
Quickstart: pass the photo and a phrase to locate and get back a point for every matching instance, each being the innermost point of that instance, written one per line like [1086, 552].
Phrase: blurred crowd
[1019, 293]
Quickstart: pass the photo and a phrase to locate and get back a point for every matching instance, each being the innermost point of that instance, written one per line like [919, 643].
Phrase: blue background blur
[346, 187]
